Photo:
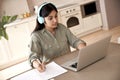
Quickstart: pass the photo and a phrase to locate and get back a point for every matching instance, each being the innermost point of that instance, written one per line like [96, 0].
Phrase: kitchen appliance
[71, 17]
[89, 9]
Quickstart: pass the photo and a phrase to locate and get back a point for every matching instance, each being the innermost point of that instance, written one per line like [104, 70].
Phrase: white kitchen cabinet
[4, 56]
[92, 22]
[15, 49]
[18, 40]
[31, 26]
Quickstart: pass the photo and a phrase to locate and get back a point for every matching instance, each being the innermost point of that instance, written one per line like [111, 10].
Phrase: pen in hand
[40, 66]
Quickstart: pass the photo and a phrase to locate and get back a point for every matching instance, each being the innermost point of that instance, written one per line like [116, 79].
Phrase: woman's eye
[50, 18]
[56, 16]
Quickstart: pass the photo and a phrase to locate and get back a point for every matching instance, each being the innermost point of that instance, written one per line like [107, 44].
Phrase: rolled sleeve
[73, 40]
[77, 42]
[34, 49]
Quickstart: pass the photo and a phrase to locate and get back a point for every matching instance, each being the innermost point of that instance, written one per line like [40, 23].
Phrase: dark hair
[44, 12]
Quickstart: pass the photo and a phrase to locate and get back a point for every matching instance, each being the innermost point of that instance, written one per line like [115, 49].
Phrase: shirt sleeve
[72, 39]
[34, 49]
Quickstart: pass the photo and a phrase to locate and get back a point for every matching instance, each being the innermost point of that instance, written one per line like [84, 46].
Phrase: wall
[33, 3]
[113, 12]
[109, 8]
[56, 2]
[0, 8]
[110, 13]
[12, 7]
[31, 6]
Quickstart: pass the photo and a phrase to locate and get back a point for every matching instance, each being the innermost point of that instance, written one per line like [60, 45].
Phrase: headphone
[40, 18]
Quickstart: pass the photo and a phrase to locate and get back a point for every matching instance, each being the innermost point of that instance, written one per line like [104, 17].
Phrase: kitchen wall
[113, 12]
[110, 13]
[0, 8]
[32, 3]
[56, 2]
[12, 7]
[109, 8]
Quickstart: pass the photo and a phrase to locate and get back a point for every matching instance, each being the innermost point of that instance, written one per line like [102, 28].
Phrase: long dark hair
[44, 12]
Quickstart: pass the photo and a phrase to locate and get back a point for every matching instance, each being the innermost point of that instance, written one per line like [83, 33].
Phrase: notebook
[89, 55]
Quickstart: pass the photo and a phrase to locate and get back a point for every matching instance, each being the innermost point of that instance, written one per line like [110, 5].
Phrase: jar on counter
[25, 15]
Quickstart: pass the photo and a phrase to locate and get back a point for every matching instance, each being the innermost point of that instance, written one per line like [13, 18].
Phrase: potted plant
[3, 21]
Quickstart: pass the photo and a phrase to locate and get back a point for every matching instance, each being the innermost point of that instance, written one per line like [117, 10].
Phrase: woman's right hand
[39, 66]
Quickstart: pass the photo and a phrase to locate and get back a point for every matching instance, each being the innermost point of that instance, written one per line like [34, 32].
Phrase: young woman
[50, 39]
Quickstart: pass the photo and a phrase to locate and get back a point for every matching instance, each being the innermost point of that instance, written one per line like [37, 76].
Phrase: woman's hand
[39, 66]
[82, 45]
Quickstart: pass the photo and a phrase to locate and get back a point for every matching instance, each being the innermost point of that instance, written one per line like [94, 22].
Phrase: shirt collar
[45, 30]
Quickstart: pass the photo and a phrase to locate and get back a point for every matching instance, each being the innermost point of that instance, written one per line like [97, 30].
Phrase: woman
[50, 39]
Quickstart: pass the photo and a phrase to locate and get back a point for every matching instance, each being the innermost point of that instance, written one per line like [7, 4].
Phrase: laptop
[89, 55]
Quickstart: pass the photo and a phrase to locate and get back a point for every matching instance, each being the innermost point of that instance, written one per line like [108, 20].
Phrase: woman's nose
[55, 19]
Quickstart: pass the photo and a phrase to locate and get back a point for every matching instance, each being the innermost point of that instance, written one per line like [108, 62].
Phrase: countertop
[20, 21]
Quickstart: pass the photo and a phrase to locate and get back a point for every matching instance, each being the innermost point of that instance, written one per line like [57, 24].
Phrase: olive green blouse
[46, 46]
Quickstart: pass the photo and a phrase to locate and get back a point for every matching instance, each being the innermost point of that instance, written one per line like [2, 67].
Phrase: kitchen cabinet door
[4, 56]
[31, 26]
[92, 22]
[18, 40]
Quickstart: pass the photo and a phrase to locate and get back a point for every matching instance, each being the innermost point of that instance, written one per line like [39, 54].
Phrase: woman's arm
[73, 40]
[35, 54]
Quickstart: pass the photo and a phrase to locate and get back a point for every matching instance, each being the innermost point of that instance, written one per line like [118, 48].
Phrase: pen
[39, 61]
[41, 64]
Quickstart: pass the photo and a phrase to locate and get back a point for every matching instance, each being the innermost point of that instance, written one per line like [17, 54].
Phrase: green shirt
[46, 46]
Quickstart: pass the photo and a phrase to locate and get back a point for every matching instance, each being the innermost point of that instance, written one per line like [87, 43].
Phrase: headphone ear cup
[41, 20]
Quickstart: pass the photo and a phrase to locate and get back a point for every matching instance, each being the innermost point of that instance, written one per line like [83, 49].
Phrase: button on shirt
[46, 46]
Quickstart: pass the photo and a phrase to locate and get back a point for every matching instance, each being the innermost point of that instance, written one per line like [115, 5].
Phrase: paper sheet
[52, 70]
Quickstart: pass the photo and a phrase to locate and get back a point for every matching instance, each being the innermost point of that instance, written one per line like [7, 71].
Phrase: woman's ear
[44, 21]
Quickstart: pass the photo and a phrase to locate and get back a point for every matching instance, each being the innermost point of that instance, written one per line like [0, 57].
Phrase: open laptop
[89, 55]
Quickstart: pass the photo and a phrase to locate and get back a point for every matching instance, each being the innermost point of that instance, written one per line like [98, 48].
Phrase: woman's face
[51, 20]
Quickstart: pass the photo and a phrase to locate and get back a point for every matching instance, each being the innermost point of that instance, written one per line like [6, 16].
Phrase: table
[105, 69]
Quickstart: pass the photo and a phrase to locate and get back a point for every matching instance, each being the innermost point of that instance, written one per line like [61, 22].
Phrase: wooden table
[105, 69]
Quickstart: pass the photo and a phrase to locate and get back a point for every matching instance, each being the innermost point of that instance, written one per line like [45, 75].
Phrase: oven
[71, 17]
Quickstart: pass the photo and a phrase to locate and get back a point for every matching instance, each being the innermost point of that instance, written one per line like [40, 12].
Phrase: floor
[90, 38]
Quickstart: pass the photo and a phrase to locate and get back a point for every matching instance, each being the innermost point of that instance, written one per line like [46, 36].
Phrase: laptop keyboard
[74, 65]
